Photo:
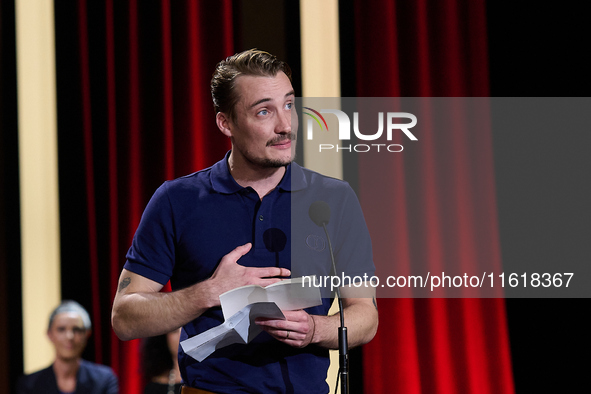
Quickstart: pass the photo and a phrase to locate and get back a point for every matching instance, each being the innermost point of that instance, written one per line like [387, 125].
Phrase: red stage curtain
[432, 49]
[134, 82]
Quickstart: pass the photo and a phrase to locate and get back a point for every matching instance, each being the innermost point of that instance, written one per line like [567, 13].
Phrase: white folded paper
[288, 294]
[241, 306]
[240, 328]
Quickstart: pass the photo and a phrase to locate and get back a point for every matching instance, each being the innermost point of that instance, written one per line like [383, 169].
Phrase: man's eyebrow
[263, 100]
[259, 102]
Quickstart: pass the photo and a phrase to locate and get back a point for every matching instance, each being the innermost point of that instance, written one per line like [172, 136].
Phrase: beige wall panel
[319, 24]
[38, 176]
[321, 74]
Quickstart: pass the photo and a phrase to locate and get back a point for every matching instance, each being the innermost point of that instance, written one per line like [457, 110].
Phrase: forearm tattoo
[124, 283]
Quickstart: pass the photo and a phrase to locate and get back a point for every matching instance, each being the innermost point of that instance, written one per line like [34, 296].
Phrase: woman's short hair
[71, 306]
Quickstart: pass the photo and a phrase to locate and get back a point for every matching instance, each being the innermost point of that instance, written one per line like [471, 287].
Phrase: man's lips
[283, 141]
[282, 144]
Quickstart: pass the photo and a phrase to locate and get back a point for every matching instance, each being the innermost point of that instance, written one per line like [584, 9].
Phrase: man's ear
[223, 122]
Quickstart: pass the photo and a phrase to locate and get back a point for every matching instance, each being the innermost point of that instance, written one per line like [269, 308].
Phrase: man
[209, 233]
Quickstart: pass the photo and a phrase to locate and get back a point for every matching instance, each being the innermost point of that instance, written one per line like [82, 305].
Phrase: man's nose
[284, 122]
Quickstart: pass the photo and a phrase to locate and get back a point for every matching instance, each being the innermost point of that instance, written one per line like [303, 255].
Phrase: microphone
[319, 212]
[275, 241]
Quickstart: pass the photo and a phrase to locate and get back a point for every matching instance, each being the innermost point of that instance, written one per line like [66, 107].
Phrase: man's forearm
[144, 314]
[361, 320]
[140, 310]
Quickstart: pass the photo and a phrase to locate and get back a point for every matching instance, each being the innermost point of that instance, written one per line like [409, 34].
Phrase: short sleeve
[353, 251]
[152, 252]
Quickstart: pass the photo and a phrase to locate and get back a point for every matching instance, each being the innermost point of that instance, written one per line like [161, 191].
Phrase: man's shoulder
[195, 179]
[214, 178]
[310, 186]
[316, 179]
[196, 182]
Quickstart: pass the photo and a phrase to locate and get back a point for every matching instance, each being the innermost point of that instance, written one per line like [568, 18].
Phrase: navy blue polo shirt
[192, 222]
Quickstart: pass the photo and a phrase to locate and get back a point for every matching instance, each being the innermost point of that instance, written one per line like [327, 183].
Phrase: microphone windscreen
[274, 240]
[319, 212]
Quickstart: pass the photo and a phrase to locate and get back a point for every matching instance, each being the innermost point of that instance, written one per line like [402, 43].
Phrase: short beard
[274, 163]
[270, 163]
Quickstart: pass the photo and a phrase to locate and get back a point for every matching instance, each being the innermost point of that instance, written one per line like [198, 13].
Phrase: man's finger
[267, 282]
[238, 252]
[269, 272]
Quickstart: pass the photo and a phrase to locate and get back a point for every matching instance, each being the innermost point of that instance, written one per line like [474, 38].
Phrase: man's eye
[288, 105]
[263, 112]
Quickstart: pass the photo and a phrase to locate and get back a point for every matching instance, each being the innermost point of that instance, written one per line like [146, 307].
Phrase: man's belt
[191, 390]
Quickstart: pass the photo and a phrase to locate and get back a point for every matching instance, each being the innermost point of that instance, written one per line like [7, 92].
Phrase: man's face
[264, 127]
[68, 335]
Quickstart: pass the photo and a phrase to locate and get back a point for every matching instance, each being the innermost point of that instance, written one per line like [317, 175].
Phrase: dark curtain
[543, 187]
[11, 344]
[436, 207]
[133, 111]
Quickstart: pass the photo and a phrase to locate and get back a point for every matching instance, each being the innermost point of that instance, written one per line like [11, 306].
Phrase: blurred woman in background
[68, 330]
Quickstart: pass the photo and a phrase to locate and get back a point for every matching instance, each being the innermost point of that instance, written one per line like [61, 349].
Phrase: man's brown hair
[252, 62]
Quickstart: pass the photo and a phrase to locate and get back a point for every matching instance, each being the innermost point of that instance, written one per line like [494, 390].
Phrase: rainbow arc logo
[316, 118]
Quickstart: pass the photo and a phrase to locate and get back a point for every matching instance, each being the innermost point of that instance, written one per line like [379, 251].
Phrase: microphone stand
[343, 342]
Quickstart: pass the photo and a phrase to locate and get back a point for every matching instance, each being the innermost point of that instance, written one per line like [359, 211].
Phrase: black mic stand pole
[343, 342]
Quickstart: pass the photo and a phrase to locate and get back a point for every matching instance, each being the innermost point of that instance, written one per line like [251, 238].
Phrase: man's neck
[262, 179]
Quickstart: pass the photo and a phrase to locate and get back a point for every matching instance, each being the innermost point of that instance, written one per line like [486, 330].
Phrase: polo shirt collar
[221, 179]
[294, 178]
[223, 182]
